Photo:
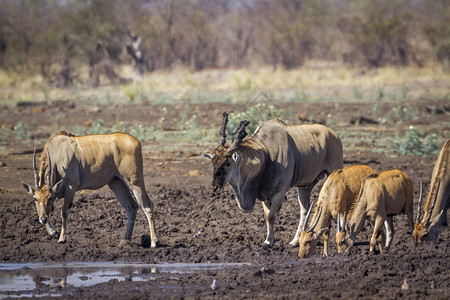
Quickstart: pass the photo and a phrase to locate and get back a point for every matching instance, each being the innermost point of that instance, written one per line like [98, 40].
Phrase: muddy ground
[185, 206]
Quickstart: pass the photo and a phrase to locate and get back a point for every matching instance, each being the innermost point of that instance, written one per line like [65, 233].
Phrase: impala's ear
[28, 188]
[236, 157]
[208, 156]
[57, 187]
[321, 231]
[436, 219]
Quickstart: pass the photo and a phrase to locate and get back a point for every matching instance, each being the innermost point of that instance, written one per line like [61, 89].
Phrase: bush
[255, 115]
[415, 142]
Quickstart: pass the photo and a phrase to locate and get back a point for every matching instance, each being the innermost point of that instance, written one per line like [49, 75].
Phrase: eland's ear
[28, 188]
[236, 157]
[57, 187]
[208, 156]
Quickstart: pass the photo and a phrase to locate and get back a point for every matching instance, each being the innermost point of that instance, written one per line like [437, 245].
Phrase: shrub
[255, 115]
[415, 142]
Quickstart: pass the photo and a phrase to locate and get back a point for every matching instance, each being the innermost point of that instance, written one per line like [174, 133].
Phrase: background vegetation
[253, 54]
[56, 37]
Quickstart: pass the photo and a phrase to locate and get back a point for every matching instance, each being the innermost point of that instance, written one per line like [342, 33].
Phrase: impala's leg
[389, 225]
[376, 228]
[147, 206]
[124, 197]
[272, 215]
[326, 245]
[65, 210]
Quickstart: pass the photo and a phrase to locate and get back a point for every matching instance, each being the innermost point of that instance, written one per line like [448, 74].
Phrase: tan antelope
[337, 195]
[382, 196]
[71, 163]
[435, 209]
[274, 159]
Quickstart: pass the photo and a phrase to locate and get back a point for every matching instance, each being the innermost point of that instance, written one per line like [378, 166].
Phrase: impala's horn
[430, 210]
[306, 218]
[48, 174]
[419, 208]
[222, 131]
[239, 135]
[315, 221]
[338, 223]
[35, 172]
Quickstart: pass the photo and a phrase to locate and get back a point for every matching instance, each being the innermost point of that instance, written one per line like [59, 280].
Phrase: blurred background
[386, 60]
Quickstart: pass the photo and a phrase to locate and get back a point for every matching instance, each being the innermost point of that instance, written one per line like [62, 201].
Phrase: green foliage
[415, 142]
[21, 130]
[255, 115]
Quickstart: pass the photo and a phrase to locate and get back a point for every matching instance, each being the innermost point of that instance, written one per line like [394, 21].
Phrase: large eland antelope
[70, 163]
[382, 196]
[336, 197]
[274, 159]
[435, 209]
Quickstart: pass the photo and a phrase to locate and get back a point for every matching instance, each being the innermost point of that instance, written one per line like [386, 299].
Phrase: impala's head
[43, 193]
[426, 228]
[341, 241]
[308, 238]
[225, 159]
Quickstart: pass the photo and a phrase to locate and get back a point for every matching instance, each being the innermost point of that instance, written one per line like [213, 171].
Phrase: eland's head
[43, 192]
[225, 159]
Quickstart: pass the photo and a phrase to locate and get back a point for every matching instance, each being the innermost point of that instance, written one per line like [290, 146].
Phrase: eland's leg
[65, 210]
[272, 215]
[52, 232]
[124, 197]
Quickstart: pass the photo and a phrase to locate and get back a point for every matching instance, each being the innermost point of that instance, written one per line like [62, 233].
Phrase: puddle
[26, 277]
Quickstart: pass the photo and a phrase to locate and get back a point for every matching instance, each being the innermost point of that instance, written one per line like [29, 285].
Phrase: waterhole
[28, 279]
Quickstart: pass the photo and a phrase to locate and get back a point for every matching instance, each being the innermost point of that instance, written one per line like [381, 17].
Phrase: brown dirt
[185, 204]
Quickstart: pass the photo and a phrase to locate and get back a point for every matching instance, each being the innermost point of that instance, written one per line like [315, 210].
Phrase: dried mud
[195, 225]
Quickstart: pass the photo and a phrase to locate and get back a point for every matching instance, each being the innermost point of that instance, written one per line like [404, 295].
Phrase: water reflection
[49, 276]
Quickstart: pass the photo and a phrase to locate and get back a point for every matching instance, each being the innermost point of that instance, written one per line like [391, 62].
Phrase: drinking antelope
[382, 196]
[434, 211]
[71, 163]
[337, 195]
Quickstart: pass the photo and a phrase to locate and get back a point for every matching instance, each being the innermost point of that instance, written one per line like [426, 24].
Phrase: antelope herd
[263, 166]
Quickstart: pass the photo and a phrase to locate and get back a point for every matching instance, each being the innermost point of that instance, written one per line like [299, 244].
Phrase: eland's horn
[306, 218]
[430, 210]
[222, 131]
[35, 172]
[419, 208]
[315, 221]
[49, 169]
[239, 135]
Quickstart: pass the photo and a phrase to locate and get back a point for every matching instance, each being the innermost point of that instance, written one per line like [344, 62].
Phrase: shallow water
[26, 277]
